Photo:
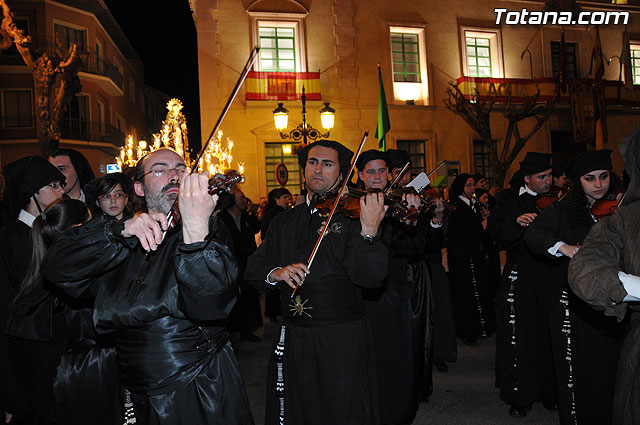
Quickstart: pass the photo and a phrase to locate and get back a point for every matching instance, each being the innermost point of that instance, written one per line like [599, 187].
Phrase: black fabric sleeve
[543, 233]
[502, 224]
[84, 253]
[207, 275]
[366, 263]
[405, 240]
[263, 260]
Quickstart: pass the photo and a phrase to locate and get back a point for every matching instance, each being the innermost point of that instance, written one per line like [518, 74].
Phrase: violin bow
[398, 177]
[437, 166]
[234, 93]
[333, 207]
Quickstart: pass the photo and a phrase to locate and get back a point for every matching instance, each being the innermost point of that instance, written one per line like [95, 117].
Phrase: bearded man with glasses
[164, 300]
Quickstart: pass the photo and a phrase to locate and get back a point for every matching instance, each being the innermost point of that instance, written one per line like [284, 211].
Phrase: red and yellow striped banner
[283, 85]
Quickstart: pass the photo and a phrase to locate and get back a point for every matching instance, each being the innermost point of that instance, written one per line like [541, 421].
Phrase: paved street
[464, 395]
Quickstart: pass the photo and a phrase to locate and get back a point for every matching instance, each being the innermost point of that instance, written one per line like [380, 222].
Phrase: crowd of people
[118, 306]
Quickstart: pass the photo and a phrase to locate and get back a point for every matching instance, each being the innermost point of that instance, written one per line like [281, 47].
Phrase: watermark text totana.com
[525, 17]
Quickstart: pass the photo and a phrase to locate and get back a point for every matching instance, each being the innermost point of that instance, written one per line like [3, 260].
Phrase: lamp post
[304, 131]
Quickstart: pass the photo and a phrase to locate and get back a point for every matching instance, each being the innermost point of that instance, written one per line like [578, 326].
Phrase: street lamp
[303, 131]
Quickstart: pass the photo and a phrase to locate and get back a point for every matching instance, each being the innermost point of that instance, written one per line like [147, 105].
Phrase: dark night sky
[164, 36]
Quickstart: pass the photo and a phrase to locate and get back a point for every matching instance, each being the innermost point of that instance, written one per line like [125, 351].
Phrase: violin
[217, 184]
[546, 199]
[429, 197]
[349, 204]
[607, 205]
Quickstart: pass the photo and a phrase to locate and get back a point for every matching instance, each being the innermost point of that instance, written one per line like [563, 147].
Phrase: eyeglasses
[55, 185]
[160, 172]
[110, 196]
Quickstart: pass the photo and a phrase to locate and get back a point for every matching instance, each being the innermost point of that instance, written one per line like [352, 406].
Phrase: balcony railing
[92, 131]
[72, 129]
[99, 65]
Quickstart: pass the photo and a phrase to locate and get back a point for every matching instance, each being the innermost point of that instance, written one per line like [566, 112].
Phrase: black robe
[322, 371]
[15, 255]
[399, 315]
[163, 310]
[69, 371]
[272, 298]
[471, 291]
[246, 316]
[444, 328]
[524, 363]
[586, 343]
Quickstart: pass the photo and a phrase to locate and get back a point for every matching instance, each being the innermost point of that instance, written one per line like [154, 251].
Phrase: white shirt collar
[26, 218]
[466, 200]
[525, 189]
[308, 200]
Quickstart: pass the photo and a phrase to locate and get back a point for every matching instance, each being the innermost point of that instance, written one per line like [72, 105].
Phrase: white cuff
[554, 249]
[435, 225]
[267, 278]
[631, 284]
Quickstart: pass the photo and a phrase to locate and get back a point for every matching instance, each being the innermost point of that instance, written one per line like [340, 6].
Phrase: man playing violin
[394, 310]
[524, 364]
[586, 344]
[322, 371]
[164, 300]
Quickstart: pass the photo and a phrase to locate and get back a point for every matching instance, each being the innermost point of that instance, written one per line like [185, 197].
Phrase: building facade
[113, 102]
[421, 47]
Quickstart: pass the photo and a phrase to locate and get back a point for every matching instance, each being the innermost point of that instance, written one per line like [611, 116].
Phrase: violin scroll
[224, 183]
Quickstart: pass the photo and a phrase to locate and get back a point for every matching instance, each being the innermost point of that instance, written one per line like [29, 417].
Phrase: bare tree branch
[477, 114]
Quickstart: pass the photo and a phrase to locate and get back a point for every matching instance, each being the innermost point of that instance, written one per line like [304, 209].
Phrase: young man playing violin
[586, 344]
[164, 299]
[524, 364]
[400, 319]
[322, 370]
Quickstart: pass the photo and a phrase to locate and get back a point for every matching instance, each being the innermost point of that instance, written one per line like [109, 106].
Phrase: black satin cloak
[164, 311]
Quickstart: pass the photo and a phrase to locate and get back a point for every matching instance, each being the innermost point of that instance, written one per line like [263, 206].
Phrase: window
[409, 65]
[281, 153]
[416, 153]
[570, 50]
[76, 118]
[67, 35]
[101, 126]
[132, 91]
[482, 52]
[277, 49]
[635, 62]
[120, 123]
[17, 108]
[281, 40]
[479, 57]
[481, 160]
[405, 57]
